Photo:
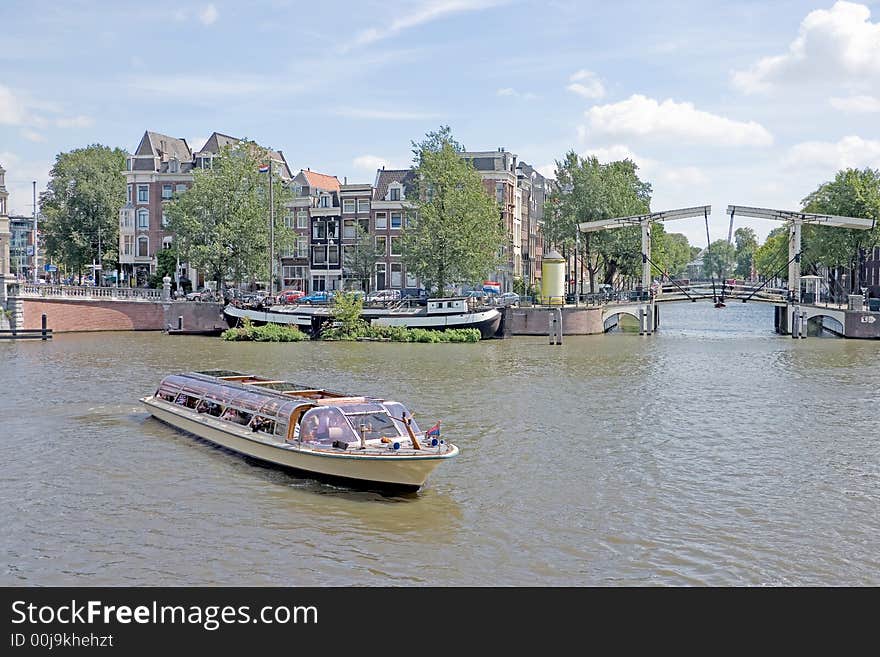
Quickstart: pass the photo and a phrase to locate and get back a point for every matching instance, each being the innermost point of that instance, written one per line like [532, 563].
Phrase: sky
[747, 103]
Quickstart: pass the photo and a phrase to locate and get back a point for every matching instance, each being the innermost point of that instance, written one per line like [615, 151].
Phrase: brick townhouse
[160, 167]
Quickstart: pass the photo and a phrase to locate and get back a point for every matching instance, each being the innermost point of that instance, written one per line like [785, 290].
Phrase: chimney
[344, 180]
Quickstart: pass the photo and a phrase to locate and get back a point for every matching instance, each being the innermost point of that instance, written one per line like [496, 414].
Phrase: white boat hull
[405, 471]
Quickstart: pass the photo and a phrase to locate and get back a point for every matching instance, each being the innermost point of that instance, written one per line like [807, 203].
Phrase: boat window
[374, 425]
[211, 408]
[167, 395]
[263, 424]
[236, 416]
[326, 425]
[186, 400]
[398, 410]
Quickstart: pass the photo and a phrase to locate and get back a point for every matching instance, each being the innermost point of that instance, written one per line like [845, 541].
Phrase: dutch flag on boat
[492, 287]
[264, 168]
[433, 431]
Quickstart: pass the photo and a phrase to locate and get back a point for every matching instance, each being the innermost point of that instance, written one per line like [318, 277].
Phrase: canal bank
[610, 460]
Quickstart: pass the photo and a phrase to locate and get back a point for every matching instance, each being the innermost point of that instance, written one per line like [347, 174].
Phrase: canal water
[713, 453]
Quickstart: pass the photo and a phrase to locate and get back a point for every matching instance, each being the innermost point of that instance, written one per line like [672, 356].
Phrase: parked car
[291, 296]
[507, 299]
[384, 295]
[479, 295]
[321, 296]
[202, 295]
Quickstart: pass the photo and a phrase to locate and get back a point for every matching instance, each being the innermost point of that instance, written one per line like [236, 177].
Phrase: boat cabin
[448, 305]
[285, 411]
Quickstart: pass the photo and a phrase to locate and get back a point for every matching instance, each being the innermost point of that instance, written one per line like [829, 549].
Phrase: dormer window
[173, 165]
[324, 201]
[394, 192]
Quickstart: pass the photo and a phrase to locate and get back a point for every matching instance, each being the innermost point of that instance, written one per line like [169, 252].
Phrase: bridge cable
[796, 256]
[666, 276]
[709, 252]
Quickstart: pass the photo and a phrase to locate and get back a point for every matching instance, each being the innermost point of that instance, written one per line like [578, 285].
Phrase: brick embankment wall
[536, 321]
[68, 315]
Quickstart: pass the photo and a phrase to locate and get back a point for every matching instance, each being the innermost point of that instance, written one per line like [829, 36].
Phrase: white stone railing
[89, 292]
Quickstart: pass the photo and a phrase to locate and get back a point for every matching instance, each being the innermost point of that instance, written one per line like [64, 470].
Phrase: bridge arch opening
[824, 326]
[622, 321]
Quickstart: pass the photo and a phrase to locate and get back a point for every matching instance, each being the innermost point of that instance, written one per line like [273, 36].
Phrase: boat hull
[486, 322]
[393, 473]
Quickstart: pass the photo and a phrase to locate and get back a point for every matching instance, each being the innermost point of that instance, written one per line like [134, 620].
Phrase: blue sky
[752, 103]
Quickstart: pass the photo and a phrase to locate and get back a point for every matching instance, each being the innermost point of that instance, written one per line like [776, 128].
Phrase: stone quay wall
[536, 321]
[74, 315]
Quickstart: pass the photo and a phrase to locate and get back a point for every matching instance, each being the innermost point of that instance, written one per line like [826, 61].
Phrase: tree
[670, 251]
[746, 242]
[360, 260]
[591, 191]
[719, 259]
[455, 232]
[81, 206]
[852, 193]
[221, 224]
[771, 257]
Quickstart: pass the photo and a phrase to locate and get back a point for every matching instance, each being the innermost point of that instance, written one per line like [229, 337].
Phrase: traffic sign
[50, 267]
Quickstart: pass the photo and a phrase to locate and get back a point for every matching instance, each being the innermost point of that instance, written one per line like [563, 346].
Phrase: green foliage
[167, 266]
[267, 333]
[401, 334]
[360, 261]
[669, 251]
[591, 191]
[772, 256]
[86, 189]
[719, 260]
[221, 224]
[746, 242]
[347, 322]
[519, 285]
[455, 233]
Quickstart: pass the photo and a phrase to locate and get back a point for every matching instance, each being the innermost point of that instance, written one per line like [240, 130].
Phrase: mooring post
[43, 326]
[180, 322]
[555, 329]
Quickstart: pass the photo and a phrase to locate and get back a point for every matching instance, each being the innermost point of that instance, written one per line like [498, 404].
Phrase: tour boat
[437, 314]
[366, 441]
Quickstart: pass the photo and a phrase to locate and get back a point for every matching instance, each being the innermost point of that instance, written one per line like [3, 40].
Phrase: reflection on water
[714, 452]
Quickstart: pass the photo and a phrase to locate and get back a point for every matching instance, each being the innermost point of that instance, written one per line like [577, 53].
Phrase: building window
[143, 193]
[348, 206]
[394, 194]
[381, 241]
[143, 246]
[166, 191]
[499, 193]
[411, 280]
[127, 244]
[319, 283]
[166, 242]
[363, 205]
[380, 276]
[288, 220]
[164, 220]
[396, 220]
[396, 274]
[302, 247]
[143, 219]
[324, 201]
[319, 255]
[333, 230]
[129, 192]
[333, 254]
[349, 229]
[302, 219]
[381, 220]
[180, 188]
[319, 230]
[348, 252]
[395, 246]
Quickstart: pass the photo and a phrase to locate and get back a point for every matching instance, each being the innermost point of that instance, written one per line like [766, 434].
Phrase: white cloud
[856, 104]
[19, 176]
[208, 15]
[834, 45]
[13, 109]
[639, 116]
[74, 122]
[384, 115]
[203, 88]
[369, 162]
[650, 169]
[513, 93]
[585, 83]
[851, 151]
[547, 170]
[424, 13]
[33, 135]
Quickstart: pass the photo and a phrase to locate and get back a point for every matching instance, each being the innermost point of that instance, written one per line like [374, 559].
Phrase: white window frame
[143, 225]
[142, 239]
[349, 229]
[180, 188]
[384, 243]
[348, 206]
[170, 189]
[399, 216]
[363, 205]
[128, 245]
[146, 193]
[383, 218]
[395, 240]
[302, 219]
[130, 193]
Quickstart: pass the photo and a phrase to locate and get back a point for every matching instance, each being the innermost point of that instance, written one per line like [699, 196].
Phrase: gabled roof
[159, 145]
[385, 177]
[217, 141]
[321, 181]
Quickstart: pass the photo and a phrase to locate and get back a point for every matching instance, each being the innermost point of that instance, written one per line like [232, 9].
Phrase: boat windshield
[375, 422]
[326, 425]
